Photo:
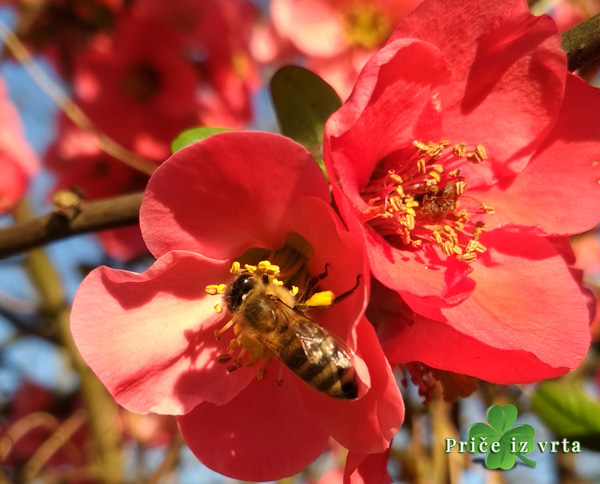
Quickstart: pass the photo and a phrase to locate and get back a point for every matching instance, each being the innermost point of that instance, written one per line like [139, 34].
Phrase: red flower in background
[152, 339]
[18, 162]
[166, 68]
[464, 145]
[337, 37]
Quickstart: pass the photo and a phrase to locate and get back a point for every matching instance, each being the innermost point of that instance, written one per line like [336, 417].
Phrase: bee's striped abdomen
[328, 370]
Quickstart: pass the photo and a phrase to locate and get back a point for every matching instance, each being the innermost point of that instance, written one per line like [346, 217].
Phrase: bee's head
[238, 290]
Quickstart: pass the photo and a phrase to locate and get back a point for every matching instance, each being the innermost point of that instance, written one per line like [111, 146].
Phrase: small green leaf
[520, 433]
[502, 459]
[479, 430]
[569, 412]
[193, 135]
[303, 102]
[502, 417]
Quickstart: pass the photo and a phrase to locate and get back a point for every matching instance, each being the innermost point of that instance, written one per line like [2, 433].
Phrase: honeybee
[269, 314]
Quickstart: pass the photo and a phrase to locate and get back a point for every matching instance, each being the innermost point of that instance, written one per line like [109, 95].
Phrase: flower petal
[559, 190]
[377, 416]
[263, 434]
[525, 305]
[234, 204]
[392, 104]
[367, 468]
[508, 76]
[150, 337]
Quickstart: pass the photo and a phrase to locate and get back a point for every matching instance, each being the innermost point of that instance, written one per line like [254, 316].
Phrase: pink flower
[18, 162]
[151, 337]
[463, 154]
[336, 37]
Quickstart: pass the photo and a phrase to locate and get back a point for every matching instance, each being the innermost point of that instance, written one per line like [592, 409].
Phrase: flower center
[366, 26]
[142, 82]
[418, 200]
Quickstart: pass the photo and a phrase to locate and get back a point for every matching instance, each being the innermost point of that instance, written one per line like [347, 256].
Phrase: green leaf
[502, 459]
[502, 417]
[303, 102]
[479, 430]
[520, 433]
[193, 135]
[569, 412]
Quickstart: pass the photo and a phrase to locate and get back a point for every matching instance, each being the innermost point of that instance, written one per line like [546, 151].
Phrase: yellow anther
[438, 169]
[278, 282]
[396, 203]
[448, 247]
[468, 257]
[421, 146]
[320, 299]
[218, 309]
[480, 152]
[396, 178]
[399, 191]
[214, 289]
[444, 142]
[294, 290]
[480, 248]
[263, 265]
[410, 221]
[405, 236]
[460, 150]
[412, 204]
[435, 175]
[435, 150]
[411, 211]
[421, 166]
[454, 173]
[250, 269]
[235, 268]
[459, 226]
[458, 250]
[437, 238]
[272, 270]
[487, 209]
[416, 243]
[478, 155]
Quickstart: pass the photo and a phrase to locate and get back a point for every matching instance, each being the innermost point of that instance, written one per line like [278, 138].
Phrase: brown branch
[582, 43]
[91, 217]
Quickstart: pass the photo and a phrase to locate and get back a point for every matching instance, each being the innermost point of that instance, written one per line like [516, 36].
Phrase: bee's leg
[311, 285]
[335, 300]
[260, 375]
[279, 380]
[344, 295]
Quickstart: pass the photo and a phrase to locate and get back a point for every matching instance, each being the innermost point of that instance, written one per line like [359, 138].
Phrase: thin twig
[582, 44]
[170, 460]
[22, 426]
[92, 217]
[53, 444]
[67, 106]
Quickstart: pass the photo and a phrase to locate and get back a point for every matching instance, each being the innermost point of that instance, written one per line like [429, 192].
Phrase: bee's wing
[315, 339]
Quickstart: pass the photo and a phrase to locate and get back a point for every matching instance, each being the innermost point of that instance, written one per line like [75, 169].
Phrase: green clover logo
[511, 443]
